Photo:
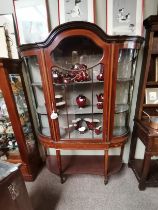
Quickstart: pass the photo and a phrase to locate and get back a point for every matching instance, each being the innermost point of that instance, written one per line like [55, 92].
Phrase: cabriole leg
[133, 145]
[145, 171]
[106, 167]
[58, 156]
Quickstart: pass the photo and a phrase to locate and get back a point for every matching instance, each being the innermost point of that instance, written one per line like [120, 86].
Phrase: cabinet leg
[122, 149]
[145, 171]
[141, 186]
[106, 157]
[58, 156]
[133, 145]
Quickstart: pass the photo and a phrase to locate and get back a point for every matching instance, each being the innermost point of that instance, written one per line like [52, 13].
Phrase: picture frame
[156, 69]
[76, 10]
[34, 27]
[3, 43]
[7, 21]
[151, 95]
[124, 17]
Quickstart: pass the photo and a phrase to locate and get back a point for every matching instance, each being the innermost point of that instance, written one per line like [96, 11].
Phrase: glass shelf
[45, 131]
[125, 79]
[78, 83]
[39, 84]
[88, 134]
[77, 110]
[119, 108]
[119, 131]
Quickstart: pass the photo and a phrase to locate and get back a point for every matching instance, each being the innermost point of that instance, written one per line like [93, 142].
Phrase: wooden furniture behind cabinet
[13, 193]
[17, 137]
[146, 116]
[81, 82]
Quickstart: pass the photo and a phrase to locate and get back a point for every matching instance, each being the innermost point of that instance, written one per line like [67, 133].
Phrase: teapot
[100, 97]
[100, 105]
[79, 73]
[57, 76]
[98, 130]
[91, 123]
[82, 76]
[77, 123]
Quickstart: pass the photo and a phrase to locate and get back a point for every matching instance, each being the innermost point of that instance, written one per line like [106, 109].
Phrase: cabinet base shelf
[84, 164]
[136, 166]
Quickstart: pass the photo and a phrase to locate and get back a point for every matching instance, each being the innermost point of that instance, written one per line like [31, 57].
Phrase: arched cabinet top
[74, 25]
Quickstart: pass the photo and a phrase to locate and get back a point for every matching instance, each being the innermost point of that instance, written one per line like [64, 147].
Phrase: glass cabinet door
[21, 105]
[124, 90]
[35, 81]
[8, 143]
[78, 83]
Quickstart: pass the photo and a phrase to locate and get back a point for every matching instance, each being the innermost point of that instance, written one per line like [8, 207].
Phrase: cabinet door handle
[54, 115]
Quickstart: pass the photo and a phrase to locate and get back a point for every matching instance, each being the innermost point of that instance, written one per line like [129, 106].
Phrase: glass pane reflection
[34, 78]
[8, 143]
[124, 90]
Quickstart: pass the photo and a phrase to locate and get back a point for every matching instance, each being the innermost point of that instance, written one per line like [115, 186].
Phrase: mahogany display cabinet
[82, 82]
[146, 115]
[17, 137]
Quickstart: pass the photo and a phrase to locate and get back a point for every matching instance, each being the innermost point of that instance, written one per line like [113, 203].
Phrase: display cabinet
[17, 137]
[81, 82]
[146, 115]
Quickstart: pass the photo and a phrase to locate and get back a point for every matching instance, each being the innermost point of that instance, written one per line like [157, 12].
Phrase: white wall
[6, 6]
[150, 8]
[100, 8]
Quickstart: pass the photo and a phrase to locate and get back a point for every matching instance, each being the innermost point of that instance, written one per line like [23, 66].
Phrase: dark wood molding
[151, 23]
[74, 25]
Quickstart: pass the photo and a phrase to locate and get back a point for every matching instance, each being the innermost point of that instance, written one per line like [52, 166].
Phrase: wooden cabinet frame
[110, 46]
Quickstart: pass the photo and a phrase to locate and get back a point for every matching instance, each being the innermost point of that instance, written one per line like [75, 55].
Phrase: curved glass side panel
[34, 78]
[124, 90]
[8, 143]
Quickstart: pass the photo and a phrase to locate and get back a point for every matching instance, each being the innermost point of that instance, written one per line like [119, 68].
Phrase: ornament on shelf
[81, 101]
[91, 123]
[100, 76]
